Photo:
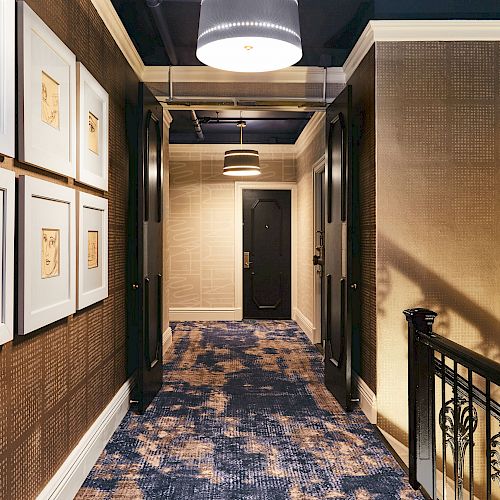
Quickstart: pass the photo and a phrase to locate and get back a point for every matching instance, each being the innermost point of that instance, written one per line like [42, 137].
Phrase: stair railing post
[421, 401]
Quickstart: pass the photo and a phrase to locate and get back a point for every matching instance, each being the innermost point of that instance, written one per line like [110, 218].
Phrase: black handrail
[485, 367]
[458, 418]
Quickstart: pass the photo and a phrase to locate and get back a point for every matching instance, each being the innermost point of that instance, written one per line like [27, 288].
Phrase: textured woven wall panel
[55, 382]
[438, 157]
[363, 83]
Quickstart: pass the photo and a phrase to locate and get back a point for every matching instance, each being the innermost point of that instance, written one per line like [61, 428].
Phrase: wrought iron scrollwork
[447, 424]
[495, 458]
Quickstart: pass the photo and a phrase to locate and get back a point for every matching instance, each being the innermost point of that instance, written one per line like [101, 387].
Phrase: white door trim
[318, 167]
[238, 236]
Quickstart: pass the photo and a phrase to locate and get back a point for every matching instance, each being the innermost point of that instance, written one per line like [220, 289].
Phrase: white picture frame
[92, 255]
[7, 262]
[7, 82]
[92, 130]
[47, 253]
[46, 96]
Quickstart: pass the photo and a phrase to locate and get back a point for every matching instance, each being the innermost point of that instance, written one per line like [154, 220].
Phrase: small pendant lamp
[249, 36]
[241, 162]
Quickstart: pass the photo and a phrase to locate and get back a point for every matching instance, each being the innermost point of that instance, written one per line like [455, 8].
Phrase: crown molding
[311, 129]
[453, 30]
[113, 23]
[167, 118]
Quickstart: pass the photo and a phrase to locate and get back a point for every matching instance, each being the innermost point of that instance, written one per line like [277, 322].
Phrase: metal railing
[437, 366]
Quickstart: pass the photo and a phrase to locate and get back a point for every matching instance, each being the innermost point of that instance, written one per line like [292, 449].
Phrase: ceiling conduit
[162, 26]
[197, 126]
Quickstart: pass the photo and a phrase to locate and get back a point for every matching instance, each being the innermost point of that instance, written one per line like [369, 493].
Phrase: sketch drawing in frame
[92, 249]
[93, 130]
[50, 252]
[47, 96]
[47, 253]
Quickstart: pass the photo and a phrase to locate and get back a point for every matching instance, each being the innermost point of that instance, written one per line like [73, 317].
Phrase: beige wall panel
[202, 222]
[305, 162]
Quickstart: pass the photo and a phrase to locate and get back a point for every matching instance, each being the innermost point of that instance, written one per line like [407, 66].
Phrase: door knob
[354, 286]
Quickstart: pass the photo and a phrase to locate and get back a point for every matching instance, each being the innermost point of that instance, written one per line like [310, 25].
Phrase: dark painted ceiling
[263, 127]
[329, 28]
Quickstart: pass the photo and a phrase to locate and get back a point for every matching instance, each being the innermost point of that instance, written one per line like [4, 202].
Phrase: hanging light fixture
[244, 36]
[241, 162]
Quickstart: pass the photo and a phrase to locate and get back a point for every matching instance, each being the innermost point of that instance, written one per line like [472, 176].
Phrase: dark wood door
[340, 294]
[267, 254]
[146, 247]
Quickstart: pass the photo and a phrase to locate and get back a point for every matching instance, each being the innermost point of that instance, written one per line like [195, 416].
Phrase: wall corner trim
[167, 340]
[309, 132]
[71, 475]
[167, 118]
[113, 23]
[367, 399]
[306, 325]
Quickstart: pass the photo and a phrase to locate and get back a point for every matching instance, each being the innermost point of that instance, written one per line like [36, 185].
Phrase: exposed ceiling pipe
[197, 126]
[163, 29]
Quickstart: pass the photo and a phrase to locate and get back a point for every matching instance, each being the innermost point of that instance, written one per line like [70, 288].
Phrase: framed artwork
[47, 253]
[7, 81]
[7, 220]
[47, 96]
[92, 131]
[92, 249]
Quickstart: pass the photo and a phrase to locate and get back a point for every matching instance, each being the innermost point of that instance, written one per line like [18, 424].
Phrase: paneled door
[340, 289]
[146, 247]
[267, 273]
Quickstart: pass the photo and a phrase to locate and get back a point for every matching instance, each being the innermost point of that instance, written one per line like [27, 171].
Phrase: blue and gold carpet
[244, 415]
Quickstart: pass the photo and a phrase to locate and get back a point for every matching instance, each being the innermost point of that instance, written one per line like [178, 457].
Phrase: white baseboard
[167, 340]
[204, 314]
[367, 398]
[306, 325]
[71, 475]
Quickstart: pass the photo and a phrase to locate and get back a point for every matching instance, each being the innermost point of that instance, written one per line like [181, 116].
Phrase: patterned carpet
[244, 415]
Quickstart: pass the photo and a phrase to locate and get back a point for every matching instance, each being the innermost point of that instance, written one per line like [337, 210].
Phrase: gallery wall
[201, 231]
[438, 179]
[56, 381]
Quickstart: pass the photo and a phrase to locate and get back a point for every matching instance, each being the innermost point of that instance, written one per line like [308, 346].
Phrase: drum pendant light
[249, 36]
[241, 162]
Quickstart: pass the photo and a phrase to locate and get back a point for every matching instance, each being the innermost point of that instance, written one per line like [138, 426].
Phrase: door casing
[318, 168]
[238, 232]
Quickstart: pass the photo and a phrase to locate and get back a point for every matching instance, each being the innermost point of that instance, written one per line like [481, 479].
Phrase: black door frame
[239, 187]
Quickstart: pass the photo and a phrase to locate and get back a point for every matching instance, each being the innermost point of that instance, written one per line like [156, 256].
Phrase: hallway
[244, 414]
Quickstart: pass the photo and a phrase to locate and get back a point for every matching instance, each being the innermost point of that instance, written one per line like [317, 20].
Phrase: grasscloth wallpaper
[363, 117]
[201, 231]
[438, 208]
[54, 383]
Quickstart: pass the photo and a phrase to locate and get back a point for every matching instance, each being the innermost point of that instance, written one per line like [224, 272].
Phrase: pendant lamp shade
[249, 36]
[241, 162]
